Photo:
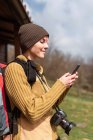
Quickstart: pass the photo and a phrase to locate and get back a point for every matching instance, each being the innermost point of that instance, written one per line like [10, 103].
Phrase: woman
[34, 100]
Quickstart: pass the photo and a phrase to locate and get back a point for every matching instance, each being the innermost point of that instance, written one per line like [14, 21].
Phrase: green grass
[80, 111]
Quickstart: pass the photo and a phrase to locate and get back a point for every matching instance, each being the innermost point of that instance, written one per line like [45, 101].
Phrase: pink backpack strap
[2, 65]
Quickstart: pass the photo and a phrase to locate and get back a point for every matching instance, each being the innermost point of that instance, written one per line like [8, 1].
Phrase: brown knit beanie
[29, 34]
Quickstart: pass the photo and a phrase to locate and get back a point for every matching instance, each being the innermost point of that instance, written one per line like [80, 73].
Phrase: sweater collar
[38, 67]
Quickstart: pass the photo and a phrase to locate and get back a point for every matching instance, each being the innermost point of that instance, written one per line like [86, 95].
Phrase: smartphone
[76, 68]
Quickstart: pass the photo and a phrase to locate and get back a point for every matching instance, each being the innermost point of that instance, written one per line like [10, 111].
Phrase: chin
[42, 56]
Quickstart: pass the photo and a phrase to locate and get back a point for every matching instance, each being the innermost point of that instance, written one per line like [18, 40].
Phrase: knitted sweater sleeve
[20, 92]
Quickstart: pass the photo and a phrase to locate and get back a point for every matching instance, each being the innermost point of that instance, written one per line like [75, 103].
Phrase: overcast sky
[69, 23]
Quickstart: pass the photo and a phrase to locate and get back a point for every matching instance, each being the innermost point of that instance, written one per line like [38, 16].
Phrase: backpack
[4, 124]
[8, 117]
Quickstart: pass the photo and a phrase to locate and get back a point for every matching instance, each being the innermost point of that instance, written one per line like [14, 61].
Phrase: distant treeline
[56, 63]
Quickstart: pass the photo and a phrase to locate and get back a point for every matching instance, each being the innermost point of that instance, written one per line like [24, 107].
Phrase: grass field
[80, 111]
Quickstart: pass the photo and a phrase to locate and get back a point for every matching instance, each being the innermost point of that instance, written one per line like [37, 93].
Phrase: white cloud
[69, 22]
[40, 1]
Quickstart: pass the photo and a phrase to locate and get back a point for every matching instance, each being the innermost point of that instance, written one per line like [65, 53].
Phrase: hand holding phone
[76, 68]
[67, 79]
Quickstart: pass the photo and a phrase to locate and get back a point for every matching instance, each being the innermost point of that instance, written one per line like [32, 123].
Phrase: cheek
[37, 48]
[35, 51]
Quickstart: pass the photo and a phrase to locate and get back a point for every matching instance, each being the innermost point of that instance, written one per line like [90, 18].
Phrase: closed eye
[42, 41]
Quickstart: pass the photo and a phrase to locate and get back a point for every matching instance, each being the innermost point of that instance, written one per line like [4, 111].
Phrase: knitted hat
[29, 34]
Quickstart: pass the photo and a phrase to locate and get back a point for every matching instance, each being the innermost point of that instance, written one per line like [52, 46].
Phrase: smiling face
[39, 49]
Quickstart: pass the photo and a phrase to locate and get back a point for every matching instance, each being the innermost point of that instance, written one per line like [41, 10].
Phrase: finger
[72, 82]
[67, 74]
[76, 73]
[74, 76]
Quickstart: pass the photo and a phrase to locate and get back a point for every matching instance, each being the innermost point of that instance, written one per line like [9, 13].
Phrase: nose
[46, 46]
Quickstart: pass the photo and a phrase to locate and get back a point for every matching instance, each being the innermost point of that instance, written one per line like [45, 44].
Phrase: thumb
[67, 74]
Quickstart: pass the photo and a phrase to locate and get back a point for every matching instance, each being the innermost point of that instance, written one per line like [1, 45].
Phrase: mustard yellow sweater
[33, 101]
